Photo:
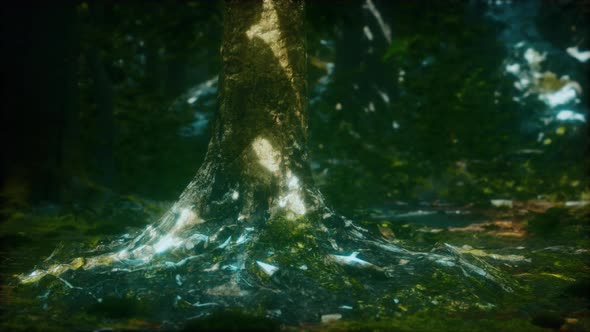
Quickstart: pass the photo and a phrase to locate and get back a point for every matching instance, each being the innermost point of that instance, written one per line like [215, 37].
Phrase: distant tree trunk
[40, 46]
[70, 159]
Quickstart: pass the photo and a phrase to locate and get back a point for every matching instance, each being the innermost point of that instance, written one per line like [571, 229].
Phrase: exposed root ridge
[278, 262]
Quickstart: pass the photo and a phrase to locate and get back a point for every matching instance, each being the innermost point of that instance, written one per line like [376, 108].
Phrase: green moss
[293, 242]
[294, 245]
[284, 229]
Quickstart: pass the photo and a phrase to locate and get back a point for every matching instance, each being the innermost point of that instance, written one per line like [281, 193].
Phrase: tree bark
[256, 163]
[256, 167]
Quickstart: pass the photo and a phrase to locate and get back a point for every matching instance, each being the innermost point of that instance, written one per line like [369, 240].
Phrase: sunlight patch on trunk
[267, 30]
[268, 157]
[293, 200]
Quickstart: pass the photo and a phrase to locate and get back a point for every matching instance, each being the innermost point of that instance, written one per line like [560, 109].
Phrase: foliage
[451, 128]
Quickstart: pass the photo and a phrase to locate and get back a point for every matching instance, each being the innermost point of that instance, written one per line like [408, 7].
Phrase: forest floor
[544, 246]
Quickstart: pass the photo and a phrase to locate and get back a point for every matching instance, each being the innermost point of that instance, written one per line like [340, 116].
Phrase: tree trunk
[257, 160]
[256, 163]
[256, 166]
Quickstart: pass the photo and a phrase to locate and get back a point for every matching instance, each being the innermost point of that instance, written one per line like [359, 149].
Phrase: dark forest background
[107, 103]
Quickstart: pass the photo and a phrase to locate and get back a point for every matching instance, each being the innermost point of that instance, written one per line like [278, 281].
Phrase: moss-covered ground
[542, 247]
